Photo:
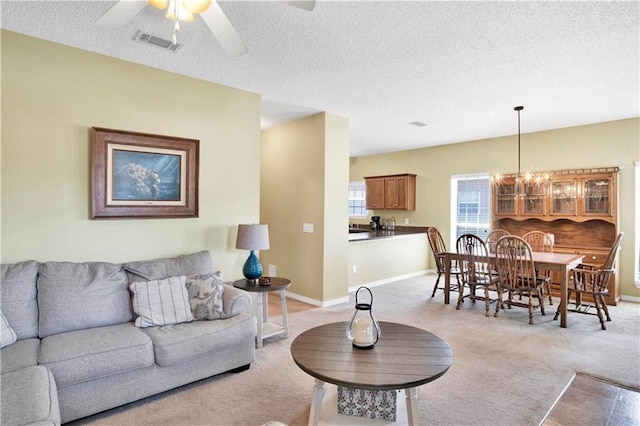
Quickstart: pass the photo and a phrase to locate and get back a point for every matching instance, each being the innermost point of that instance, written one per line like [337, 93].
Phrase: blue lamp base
[252, 269]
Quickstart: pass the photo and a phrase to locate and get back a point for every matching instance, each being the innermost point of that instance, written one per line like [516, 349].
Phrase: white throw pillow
[7, 335]
[161, 302]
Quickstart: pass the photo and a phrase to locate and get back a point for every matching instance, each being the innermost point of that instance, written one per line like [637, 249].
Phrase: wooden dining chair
[475, 271]
[594, 282]
[517, 275]
[493, 237]
[438, 248]
[541, 242]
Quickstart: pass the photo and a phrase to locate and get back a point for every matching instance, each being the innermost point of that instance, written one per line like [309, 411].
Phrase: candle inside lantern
[363, 331]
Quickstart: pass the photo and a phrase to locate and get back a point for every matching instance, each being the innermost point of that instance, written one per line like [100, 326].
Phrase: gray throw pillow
[7, 335]
[160, 302]
[205, 296]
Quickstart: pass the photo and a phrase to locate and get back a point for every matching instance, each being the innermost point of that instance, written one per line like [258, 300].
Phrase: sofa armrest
[235, 301]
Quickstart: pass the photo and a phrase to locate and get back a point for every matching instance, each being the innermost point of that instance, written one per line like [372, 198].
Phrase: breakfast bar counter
[362, 234]
[381, 256]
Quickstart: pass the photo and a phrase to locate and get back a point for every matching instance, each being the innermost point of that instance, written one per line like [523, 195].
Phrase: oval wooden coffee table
[405, 357]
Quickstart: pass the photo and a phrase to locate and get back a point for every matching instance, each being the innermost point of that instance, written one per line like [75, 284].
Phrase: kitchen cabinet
[375, 188]
[579, 207]
[392, 192]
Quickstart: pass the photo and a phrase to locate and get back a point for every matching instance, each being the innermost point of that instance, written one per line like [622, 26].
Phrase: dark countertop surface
[382, 234]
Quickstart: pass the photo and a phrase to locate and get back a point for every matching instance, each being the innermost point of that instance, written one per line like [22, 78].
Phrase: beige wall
[386, 259]
[614, 143]
[336, 213]
[304, 178]
[52, 95]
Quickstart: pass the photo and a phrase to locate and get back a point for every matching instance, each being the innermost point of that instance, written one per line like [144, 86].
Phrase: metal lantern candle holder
[363, 329]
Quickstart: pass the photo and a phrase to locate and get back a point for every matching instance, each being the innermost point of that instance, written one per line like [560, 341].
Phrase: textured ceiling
[458, 66]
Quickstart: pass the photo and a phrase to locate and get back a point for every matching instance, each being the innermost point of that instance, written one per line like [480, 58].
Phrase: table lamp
[252, 237]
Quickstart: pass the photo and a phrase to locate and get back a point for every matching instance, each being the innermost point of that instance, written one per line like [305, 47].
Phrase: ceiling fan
[184, 10]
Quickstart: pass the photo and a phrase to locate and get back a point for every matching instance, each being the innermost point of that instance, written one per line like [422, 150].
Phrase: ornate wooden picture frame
[138, 175]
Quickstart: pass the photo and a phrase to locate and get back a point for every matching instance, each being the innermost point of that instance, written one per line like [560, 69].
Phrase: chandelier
[180, 10]
[526, 182]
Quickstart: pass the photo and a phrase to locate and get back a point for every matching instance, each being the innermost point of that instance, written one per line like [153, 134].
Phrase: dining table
[562, 263]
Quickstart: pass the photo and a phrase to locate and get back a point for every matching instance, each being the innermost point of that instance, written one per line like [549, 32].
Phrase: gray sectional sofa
[79, 352]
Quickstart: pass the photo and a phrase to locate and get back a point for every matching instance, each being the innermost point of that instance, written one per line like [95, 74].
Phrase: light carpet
[505, 371]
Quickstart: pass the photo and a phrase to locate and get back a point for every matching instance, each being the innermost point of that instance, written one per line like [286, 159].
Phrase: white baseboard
[315, 302]
[389, 280]
[629, 298]
[333, 302]
[340, 300]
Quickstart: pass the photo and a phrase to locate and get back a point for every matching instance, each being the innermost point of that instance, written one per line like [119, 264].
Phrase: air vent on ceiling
[417, 123]
[157, 42]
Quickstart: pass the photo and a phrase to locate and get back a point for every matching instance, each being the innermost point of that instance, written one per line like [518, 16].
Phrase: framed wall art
[138, 175]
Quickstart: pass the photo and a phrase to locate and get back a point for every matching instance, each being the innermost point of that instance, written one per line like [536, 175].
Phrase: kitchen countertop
[368, 235]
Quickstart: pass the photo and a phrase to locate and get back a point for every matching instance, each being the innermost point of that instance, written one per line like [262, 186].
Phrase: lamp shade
[253, 237]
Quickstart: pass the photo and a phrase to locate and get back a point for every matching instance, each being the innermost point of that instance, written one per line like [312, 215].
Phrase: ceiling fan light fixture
[160, 4]
[196, 6]
[176, 8]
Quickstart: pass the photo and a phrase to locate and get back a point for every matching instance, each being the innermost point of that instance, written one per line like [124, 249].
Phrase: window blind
[472, 206]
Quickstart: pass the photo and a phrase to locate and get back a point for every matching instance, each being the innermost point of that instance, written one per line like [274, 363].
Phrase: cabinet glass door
[533, 202]
[563, 198]
[505, 199]
[597, 196]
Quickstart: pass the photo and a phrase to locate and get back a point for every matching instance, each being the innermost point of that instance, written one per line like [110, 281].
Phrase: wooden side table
[266, 328]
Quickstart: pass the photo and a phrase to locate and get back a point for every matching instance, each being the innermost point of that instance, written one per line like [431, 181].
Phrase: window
[470, 205]
[357, 199]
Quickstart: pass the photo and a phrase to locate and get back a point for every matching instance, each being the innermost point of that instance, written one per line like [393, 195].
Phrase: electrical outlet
[354, 269]
[307, 227]
[406, 220]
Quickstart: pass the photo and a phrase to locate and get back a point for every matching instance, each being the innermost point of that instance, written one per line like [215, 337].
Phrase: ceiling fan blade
[121, 13]
[221, 27]
[301, 4]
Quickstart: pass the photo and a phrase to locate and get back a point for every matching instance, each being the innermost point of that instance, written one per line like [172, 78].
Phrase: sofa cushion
[18, 300]
[205, 296]
[84, 355]
[22, 354]
[176, 344]
[75, 296]
[161, 302]
[29, 396]
[7, 335]
[157, 269]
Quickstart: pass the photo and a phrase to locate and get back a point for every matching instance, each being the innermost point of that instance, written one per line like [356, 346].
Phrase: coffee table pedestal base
[320, 390]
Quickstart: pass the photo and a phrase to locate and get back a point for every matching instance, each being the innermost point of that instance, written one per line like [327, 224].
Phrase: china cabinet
[393, 192]
[579, 207]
